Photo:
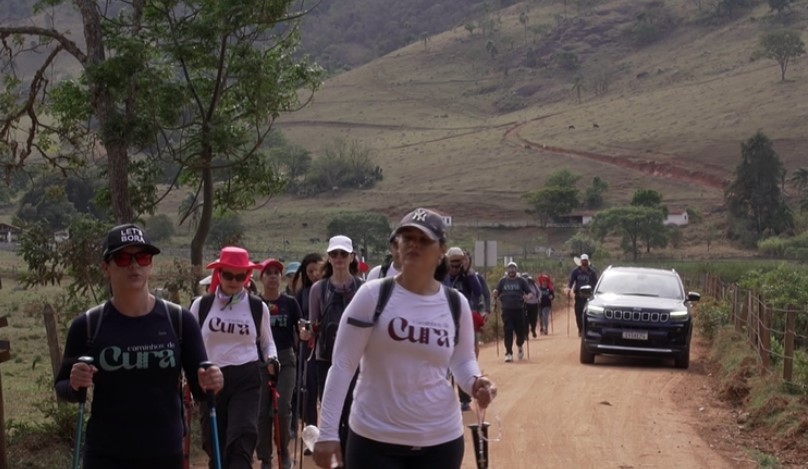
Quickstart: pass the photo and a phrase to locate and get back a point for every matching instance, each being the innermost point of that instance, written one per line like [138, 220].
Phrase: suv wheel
[682, 361]
[586, 356]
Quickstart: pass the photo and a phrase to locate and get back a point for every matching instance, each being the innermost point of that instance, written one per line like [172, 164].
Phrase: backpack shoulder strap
[174, 313]
[204, 307]
[385, 290]
[453, 297]
[257, 310]
[93, 313]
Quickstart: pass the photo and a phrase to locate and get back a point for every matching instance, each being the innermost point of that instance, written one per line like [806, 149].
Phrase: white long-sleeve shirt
[229, 332]
[402, 395]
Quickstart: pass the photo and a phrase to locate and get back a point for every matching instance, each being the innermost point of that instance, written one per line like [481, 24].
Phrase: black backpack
[332, 305]
[256, 308]
[388, 261]
[97, 313]
[386, 290]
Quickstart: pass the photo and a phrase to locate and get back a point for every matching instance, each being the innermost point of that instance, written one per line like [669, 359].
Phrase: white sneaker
[521, 353]
[508, 358]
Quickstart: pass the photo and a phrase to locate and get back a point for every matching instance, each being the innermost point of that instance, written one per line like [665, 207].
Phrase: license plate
[635, 335]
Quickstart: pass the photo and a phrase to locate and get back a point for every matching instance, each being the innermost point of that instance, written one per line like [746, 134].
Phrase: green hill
[458, 128]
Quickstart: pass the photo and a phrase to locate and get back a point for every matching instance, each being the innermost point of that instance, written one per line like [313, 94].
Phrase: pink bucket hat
[233, 257]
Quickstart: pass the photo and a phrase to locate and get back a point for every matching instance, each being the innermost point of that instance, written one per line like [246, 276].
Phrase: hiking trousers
[514, 324]
[532, 315]
[266, 414]
[237, 417]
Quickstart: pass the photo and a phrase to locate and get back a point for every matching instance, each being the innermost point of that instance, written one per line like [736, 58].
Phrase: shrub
[711, 316]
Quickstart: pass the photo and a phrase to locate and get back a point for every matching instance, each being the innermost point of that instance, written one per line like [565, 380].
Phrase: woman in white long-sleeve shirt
[239, 344]
[404, 412]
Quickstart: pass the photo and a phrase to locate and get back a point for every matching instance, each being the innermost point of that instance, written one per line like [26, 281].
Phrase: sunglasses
[124, 259]
[456, 265]
[229, 276]
[338, 253]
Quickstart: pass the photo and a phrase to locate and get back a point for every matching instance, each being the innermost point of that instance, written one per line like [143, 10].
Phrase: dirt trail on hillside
[653, 168]
[624, 413]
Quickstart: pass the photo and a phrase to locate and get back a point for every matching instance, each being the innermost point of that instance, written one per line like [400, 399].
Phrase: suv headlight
[594, 310]
[679, 315]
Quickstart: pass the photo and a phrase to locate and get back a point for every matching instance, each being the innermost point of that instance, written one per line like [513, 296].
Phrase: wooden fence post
[52, 332]
[5, 354]
[765, 336]
[788, 360]
[735, 313]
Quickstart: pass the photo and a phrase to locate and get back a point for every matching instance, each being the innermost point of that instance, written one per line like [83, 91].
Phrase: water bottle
[309, 435]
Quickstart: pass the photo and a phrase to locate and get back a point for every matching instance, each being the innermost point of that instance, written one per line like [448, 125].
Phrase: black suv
[638, 311]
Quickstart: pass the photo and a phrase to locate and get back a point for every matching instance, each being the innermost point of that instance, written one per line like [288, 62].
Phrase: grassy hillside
[468, 133]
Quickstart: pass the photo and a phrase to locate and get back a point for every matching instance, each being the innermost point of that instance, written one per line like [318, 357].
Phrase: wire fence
[778, 336]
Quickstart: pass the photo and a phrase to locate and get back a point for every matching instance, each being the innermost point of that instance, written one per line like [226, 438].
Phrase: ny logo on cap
[420, 215]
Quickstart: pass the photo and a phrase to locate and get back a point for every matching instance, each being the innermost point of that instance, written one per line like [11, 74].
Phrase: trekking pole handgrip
[209, 393]
[82, 392]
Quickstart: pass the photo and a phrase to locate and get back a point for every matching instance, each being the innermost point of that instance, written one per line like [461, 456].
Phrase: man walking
[512, 290]
[581, 275]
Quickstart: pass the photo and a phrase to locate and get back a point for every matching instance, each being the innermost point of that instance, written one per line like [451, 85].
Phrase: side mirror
[693, 296]
[585, 291]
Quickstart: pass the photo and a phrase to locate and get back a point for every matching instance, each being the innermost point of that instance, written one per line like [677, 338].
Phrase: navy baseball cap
[426, 220]
[126, 235]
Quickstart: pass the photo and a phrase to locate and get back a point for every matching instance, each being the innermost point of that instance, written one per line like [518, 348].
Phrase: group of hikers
[366, 358]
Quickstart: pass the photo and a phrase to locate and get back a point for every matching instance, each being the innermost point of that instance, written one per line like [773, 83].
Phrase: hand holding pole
[214, 426]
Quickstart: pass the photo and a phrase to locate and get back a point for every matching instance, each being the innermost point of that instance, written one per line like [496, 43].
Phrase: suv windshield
[640, 284]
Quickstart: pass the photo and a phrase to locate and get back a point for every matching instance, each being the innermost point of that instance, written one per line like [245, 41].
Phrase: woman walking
[136, 418]
[236, 329]
[404, 412]
[284, 319]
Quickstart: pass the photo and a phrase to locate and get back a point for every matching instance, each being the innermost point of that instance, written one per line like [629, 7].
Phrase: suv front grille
[635, 316]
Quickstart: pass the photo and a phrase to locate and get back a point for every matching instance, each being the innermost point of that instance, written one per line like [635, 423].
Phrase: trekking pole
[82, 394]
[496, 323]
[214, 424]
[276, 419]
[526, 332]
[568, 315]
[186, 417]
[298, 409]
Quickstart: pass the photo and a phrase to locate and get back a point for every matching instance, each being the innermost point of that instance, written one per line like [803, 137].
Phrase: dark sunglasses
[124, 259]
[456, 264]
[229, 276]
[338, 253]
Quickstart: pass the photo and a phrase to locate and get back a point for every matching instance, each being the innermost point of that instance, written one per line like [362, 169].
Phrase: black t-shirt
[511, 292]
[284, 314]
[136, 408]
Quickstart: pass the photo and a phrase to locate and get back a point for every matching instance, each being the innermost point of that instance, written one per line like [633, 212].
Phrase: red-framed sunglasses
[124, 259]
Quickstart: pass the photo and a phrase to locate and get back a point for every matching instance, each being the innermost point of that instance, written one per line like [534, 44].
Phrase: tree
[196, 83]
[524, 20]
[800, 180]
[227, 230]
[754, 198]
[593, 196]
[782, 46]
[779, 5]
[558, 196]
[649, 198]
[369, 231]
[578, 86]
[635, 224]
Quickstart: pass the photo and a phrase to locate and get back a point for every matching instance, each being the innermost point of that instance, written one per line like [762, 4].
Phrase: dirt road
[620, 413]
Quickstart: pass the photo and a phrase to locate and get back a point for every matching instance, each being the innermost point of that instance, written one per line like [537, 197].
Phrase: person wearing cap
[512, 291]
[291, 278]
[404, 413]
[328, 298]
[284, 320]
[532, 304]
[546, 295]
[580, 276]
[137, 414]
[241, 347]
[469, 286]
